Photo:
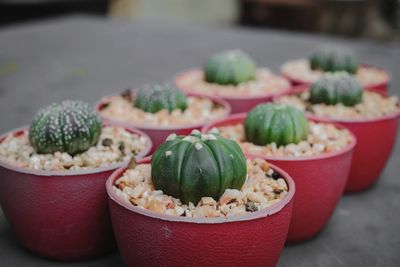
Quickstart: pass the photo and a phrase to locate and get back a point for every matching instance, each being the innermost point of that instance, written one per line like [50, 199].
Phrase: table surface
[81, 57]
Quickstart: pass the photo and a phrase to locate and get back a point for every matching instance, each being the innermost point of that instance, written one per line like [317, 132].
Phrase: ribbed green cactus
[156, 97]
[229, 67]
[198, 165]
[275, 123]
[71, 126]
[334, 88]
[334, 59]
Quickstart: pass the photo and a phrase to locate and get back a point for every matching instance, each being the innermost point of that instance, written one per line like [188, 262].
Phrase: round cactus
[274, 123]
[334, 88]
[70, 126]
[198, 165]
[334, 59]
[229, 67]
[156, 97]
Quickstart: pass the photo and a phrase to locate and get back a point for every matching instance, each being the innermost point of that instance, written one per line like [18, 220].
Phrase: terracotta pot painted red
[61, 215]
[320, 181]
[158, 134]
[381, 87]
[147, 238]
[375, 141]
[239, 104]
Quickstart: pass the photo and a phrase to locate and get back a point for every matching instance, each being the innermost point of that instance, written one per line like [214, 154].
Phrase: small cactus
[156, 97]
[229, 67]
[198, 165]
[275, 123]
[334, 88]
[334, 59]
[70, 126]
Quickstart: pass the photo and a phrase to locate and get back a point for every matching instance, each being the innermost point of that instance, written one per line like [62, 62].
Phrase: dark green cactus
[334, 88]
[229, 67]
[71, 126]
[334, 59]
[198, 165]
[156, 97]
[275, 123]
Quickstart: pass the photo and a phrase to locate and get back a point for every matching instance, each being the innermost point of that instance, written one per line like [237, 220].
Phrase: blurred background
[378, 19]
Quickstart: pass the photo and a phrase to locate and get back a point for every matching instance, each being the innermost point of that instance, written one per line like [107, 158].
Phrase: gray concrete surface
[86, 58]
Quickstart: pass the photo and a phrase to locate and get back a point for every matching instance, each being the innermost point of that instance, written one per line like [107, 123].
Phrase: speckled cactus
[334, 59]
[334, 88]
[198, 165]
[275, 123]
[229, 67]
[156, 97]
[70, 126]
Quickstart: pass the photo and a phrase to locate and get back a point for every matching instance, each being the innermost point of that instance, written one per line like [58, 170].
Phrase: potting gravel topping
[156, 97]
[229, 67]
[262, 188]
[373, 105]
[163, 109]
[71, 127]
[334, 88]
[274, 123]
[334, 59]
[114, 145]
[264, 83]
[300, 70]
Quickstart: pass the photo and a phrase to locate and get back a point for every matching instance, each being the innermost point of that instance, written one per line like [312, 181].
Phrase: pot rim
[233, 98]
[345, 150]
[302, 82]
[269, 211]
[48, 173]
[104, 100]
[305, 87]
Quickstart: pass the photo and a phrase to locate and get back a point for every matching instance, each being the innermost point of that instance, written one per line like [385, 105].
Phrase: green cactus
[334, 88]
[198, 165]
[334, 59]
[275, 123]
[156, 97]
[70, 126]
[229, 67]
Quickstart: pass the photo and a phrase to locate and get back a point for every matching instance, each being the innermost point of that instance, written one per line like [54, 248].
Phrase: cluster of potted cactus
[248, 180]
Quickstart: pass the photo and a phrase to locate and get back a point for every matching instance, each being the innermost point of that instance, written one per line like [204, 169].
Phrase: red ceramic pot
[320, 181]
[146, 238]
[375, 141]
[61, 215]
[381, 87]
[158, 134]
[238, 103]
